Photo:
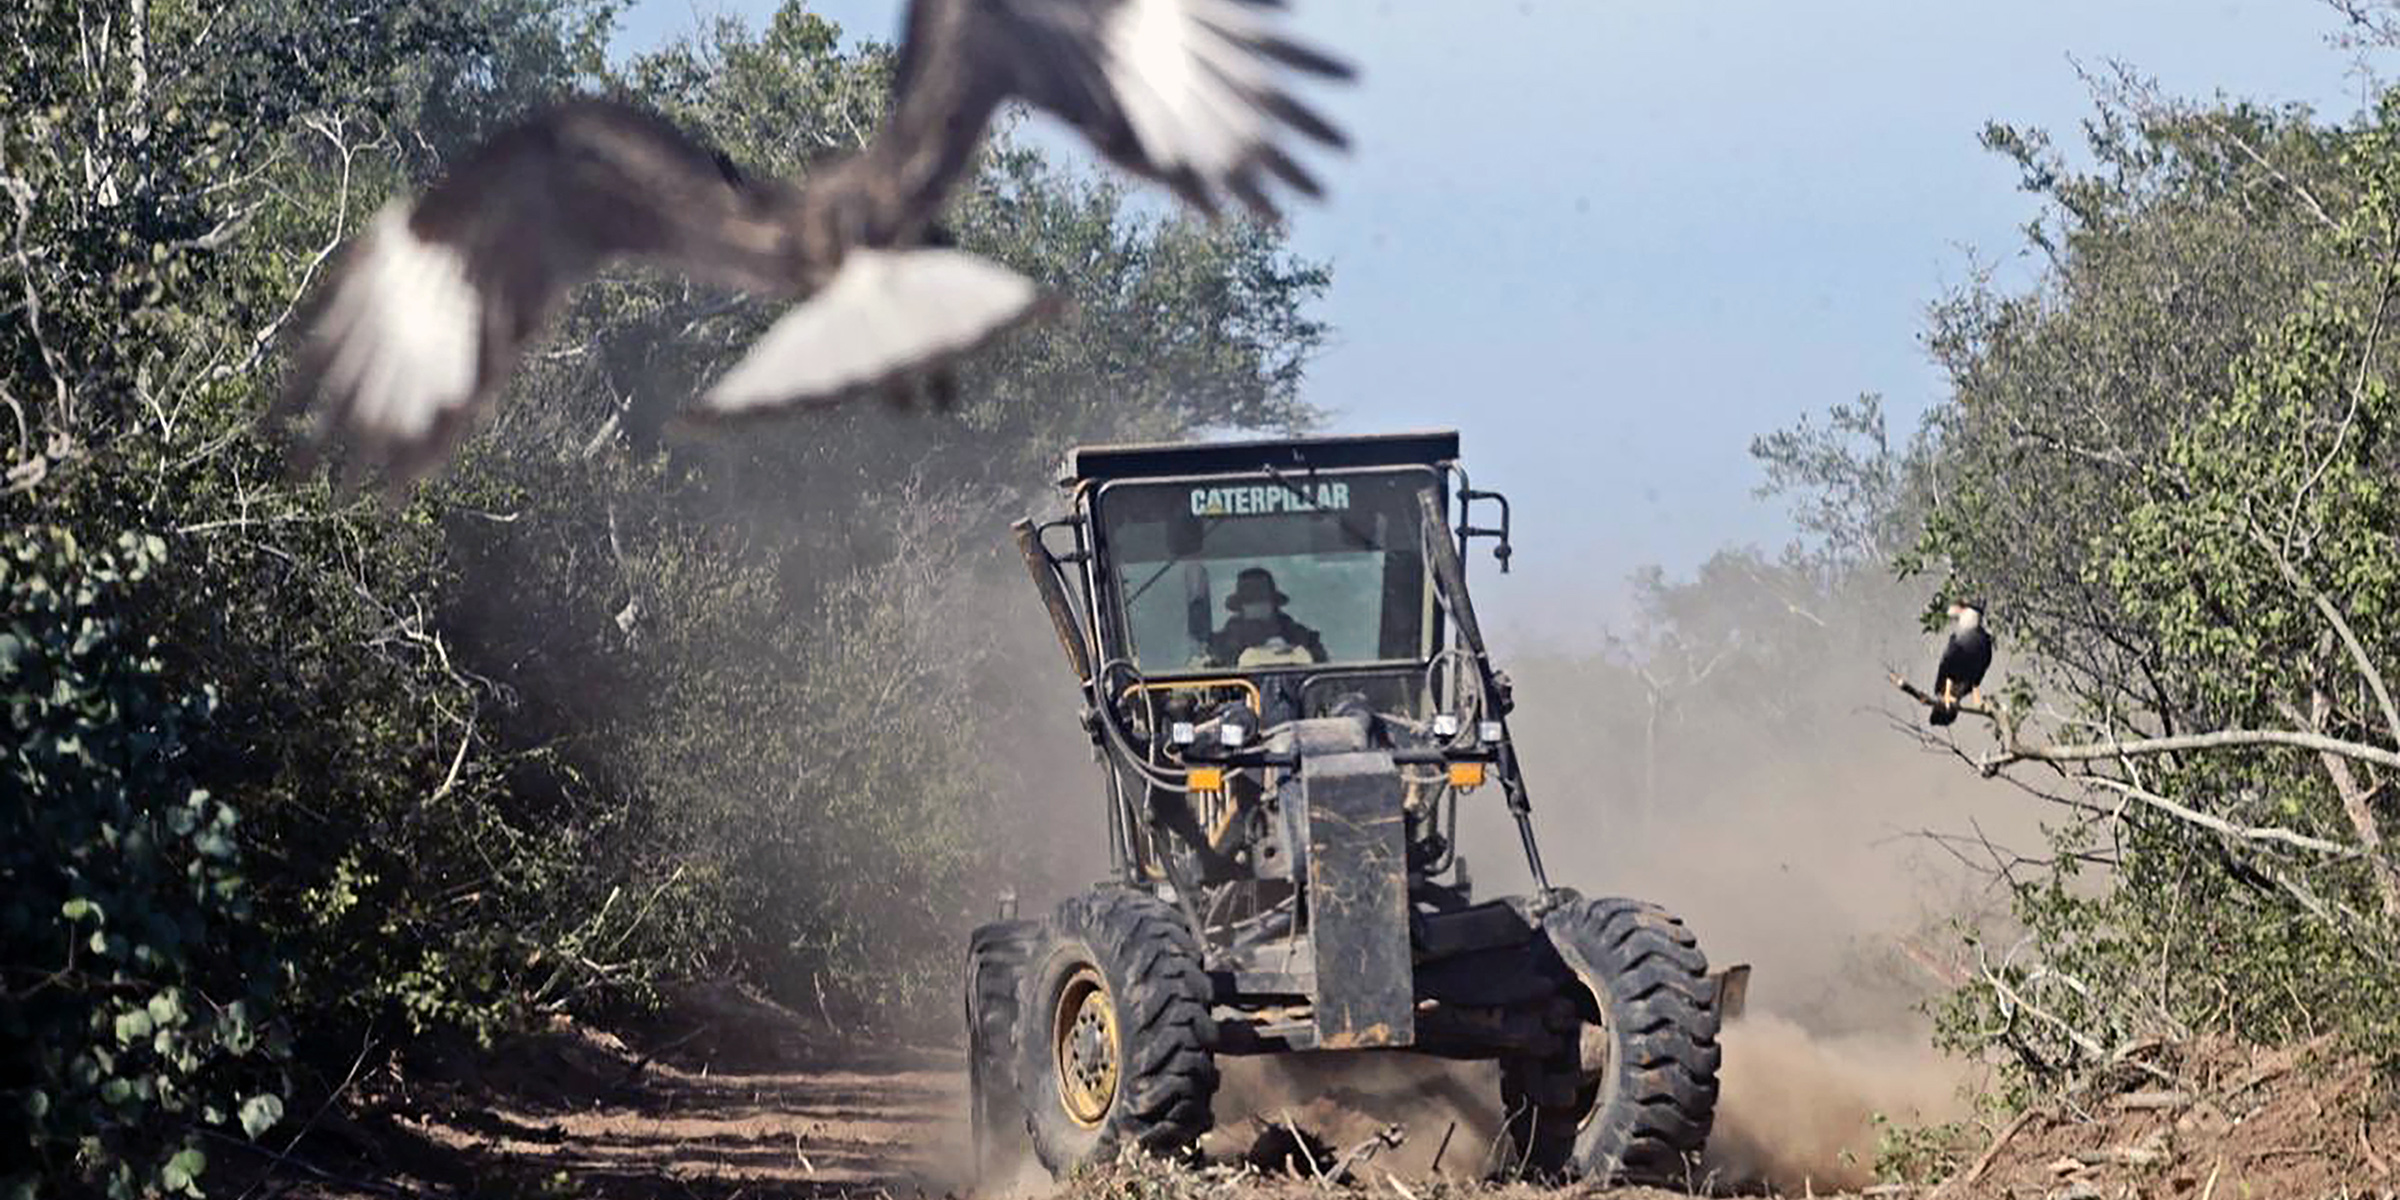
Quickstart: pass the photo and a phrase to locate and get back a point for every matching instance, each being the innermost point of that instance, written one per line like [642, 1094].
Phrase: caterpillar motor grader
[1283, 675]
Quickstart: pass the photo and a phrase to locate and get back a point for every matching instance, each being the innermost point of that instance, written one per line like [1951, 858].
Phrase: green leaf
[132, 1026]
[115, 1090]
[260, 1112]
[37, 1104]
[77, 908]
[180, 1172]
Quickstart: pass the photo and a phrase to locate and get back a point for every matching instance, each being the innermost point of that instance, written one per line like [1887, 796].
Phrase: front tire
[1114, 1034]
[997, 955]
[1633, 1096]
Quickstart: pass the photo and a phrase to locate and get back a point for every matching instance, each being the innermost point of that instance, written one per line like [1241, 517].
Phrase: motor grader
[1282, 672]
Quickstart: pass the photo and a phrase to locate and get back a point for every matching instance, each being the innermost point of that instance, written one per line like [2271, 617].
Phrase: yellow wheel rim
[1084, 1045]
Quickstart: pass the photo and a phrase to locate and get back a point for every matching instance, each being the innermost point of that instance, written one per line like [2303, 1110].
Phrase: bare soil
[2297, 1122]
[729, 1098]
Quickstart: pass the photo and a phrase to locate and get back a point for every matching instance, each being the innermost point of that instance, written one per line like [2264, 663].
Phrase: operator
[1259, 631]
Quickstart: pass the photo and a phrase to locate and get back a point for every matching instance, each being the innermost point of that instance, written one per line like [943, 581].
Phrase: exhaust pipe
[1044, 570]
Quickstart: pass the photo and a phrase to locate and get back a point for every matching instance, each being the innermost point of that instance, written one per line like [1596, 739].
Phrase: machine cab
[1220, 595]
[1293, 571]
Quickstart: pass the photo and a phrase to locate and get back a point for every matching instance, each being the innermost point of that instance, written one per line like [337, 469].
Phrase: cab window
[1270, 571]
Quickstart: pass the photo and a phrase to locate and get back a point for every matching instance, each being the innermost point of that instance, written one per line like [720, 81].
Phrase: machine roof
[1152, 459]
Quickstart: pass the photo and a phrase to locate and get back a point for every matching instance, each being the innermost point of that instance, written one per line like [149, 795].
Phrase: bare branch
[2356, 807]
[2015, 1000]
[263, 339]
[2248, 833]
[2223, 739]
[2295, 187]
[2358, 393]
[1929, 700]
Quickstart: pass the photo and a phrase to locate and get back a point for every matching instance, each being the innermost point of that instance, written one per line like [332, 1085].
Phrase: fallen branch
[308, 1168]
[2082, 1041]
[366, 1046]
[1990, 1155]
[1390, 1136]
[643, 1063]
[1306, 1150]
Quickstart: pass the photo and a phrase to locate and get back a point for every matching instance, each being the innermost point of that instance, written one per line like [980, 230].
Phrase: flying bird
[425, 316]
[1964, 660]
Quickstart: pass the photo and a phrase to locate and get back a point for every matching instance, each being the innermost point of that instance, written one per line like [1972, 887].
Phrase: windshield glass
[1265, 572]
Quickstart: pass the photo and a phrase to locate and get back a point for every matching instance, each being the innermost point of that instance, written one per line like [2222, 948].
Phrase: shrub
[138, 985]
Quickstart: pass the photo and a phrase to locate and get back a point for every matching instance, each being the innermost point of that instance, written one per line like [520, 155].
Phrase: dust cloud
[1807, 837]
[1799, 1110]
[1794, 828]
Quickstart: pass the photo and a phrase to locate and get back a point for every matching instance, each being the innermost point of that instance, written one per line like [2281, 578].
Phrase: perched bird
[426, 315]
[1964, 660]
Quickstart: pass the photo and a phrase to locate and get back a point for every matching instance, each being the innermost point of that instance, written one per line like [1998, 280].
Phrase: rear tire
[996, 957]
[1633, 1096]
[1114, 1033]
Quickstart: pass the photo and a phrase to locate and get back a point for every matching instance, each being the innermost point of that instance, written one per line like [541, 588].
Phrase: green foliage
[1920, 1154]
[1856, 498]
[138, 985]
[2171, 469]
[597, 709]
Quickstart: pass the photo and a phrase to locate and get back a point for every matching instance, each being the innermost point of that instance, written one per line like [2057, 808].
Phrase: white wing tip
[885, 313]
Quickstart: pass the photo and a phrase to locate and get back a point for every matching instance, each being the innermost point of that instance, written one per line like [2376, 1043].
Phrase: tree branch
[2356, 806]
[2307, 198]
[2223, 739]
[2341, 627]
[2014, 751]
[2248, 833]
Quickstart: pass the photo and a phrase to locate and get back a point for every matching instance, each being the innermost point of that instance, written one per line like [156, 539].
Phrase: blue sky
[1611, 241]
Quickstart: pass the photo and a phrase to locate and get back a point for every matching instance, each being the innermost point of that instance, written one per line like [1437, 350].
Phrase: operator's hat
[1252, 585]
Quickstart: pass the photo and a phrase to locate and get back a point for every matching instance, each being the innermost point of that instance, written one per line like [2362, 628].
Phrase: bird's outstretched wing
[884, 314]
[1189, 93]
[427, 312]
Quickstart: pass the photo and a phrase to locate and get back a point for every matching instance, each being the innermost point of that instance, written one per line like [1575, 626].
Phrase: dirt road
[731, 1100]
